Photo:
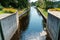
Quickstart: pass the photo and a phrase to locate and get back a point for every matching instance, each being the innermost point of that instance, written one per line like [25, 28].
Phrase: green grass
[44, 12]
[1, 12]
[55, 9]
[9, 10]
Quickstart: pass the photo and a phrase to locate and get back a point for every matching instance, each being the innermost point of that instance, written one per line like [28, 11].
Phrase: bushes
[9, 10]
[55, 9]
[49, 4]
[37, 3]
[1, 7]
[15, 3]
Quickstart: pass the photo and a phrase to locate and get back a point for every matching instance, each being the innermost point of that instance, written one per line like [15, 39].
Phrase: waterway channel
[33, 28]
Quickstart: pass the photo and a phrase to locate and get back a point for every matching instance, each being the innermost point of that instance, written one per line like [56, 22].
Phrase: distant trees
[32, 3]
[22, 3]
[37, 3]
[41, 3]
[50, 4]
[14, 3]
[45, 4]
[4, 3]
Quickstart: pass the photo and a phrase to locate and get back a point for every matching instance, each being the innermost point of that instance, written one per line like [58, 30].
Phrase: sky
[33, 0]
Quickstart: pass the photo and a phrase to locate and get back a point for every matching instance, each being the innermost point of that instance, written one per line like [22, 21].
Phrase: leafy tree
[42, 3]
[22, 3]
[37, 4]
[14, 3]
[5, 3]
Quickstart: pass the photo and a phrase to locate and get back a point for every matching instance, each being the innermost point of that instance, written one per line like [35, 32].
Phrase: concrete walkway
[4, 15]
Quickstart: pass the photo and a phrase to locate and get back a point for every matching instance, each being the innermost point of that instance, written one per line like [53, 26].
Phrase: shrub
[55, 9]
[9, 10]
[1, 7]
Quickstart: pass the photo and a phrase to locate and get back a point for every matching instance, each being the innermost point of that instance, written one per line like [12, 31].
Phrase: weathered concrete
[9, 25]
[4, 16]
[53, 24]
[0, 36]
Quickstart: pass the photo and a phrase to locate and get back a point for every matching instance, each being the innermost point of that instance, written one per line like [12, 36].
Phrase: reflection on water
[24, 21]
[32, 26]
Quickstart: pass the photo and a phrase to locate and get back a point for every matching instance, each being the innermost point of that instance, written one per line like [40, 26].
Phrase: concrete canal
[33, 28]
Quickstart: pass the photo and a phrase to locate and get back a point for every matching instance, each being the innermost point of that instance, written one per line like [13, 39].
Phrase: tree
[22, 3]
[5, 3]
[42, 3]
[15, 3]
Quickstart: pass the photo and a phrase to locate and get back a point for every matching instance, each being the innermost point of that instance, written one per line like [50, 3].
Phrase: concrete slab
[55, 13]
[4, 15]
[9, 25]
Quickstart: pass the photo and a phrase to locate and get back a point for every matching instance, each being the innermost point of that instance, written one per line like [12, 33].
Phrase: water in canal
[34, 26]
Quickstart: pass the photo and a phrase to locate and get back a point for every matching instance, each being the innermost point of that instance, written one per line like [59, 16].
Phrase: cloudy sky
[33, 0]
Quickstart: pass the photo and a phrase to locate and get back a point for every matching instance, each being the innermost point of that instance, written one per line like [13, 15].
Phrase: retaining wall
[53, 25]
[8, 25]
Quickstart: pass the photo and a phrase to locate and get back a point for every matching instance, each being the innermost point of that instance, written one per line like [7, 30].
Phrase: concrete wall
[0, 37]
[9, 26]
[53, 26]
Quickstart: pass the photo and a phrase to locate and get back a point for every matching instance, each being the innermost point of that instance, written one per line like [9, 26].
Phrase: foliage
[33, 4]
[1, 7]
[21, 11]
[44, 12]
[1, 12]
[42, 4]
[9, 10]
[22, 3]
[49, 4]
[14, 3]
[55, 9]
[37, 3]
[57, 4]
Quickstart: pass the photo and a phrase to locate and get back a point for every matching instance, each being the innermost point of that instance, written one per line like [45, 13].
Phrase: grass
[44, 12]
[1, 12]
[11, 10]
[21, 11]
[55, 9]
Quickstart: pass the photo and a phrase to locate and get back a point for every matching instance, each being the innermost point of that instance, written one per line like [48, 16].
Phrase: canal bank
[41, 12]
